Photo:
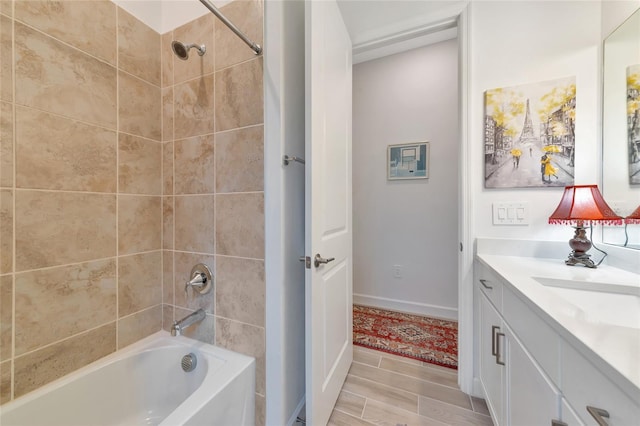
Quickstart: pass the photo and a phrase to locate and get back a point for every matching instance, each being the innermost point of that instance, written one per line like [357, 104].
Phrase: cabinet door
[531, 397]
[491, 373]
[569, 416]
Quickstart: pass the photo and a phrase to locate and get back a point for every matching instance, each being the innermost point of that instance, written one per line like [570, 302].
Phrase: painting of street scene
[633, 122]
[529, 135]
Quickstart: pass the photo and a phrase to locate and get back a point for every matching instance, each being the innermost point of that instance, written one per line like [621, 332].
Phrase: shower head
[182, 50]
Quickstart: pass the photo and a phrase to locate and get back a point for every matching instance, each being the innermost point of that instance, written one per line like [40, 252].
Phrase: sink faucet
[179, 326]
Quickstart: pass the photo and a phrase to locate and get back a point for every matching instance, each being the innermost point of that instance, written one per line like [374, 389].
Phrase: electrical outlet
[397, 271]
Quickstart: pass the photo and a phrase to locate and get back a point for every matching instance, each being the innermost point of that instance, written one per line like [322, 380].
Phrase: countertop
[615, 349]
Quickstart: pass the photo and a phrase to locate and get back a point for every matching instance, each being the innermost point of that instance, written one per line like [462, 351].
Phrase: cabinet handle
[558, 423]
[484, 284]
[494, 351]
[498, 349]
[598, 414]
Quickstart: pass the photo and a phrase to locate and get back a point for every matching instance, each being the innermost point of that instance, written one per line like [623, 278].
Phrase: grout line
[235, 129]
[104, 61]
[14, 149]
[117, 180]
[364, 406]
[67, 117]
[48, 345]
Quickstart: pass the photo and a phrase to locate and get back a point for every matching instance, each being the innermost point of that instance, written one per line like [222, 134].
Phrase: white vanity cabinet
[530, 369]
[517, 392]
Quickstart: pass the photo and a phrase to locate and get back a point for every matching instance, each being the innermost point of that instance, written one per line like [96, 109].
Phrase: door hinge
[306, 260]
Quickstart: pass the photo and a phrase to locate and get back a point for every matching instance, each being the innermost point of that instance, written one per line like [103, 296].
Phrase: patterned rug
[426, 339]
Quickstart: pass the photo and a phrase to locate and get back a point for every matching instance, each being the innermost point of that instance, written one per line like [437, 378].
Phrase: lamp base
[580, 258]
[580, 245]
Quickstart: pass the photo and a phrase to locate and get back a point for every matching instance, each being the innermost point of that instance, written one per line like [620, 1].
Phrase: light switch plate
[511, 213]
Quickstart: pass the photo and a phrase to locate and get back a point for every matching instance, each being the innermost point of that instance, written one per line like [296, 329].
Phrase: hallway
[385, 389]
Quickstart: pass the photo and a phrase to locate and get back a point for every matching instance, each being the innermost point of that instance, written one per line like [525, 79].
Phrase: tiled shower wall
[122, 167]
[213, 190]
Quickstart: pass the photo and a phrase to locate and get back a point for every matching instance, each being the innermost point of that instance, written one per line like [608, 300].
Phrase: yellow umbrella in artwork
[551, 148]
[516, 152]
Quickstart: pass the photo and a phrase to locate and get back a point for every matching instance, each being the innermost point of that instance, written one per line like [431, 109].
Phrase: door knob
[318, 260]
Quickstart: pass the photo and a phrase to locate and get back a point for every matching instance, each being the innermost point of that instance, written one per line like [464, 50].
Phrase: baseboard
[404, 306]
[298, 411]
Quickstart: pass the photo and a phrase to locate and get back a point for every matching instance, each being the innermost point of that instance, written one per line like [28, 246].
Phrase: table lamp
[633, 218]
[582, 205]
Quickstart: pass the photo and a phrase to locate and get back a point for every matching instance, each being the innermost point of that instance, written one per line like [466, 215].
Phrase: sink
[614, 304]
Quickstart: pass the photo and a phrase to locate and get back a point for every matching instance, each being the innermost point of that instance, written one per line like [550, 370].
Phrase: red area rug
[426, 339]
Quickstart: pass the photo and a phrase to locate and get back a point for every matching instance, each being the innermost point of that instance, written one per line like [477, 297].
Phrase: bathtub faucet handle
[201, 279]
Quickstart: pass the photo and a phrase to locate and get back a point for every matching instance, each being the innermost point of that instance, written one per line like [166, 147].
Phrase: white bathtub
[144, 384]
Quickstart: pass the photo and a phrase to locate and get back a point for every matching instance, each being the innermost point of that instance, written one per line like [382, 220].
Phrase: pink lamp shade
[583, 205]
[633, 218]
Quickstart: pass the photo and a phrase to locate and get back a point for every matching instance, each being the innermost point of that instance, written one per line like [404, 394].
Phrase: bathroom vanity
[557, 344]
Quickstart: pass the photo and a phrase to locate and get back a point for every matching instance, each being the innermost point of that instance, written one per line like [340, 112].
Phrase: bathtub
[145, 384]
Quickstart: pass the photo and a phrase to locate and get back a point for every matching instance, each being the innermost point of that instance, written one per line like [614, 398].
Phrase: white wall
[166, 15]
[523, 42]
[284, 210]
[407, 97]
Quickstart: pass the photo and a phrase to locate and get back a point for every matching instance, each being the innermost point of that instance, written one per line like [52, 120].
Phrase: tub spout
[179, 326]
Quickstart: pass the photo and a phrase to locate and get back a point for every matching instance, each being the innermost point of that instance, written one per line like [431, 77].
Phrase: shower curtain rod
[255, 47]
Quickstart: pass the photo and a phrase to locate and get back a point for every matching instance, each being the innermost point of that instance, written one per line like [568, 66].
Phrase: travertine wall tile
[59, 121]
[240, 160]
[248, 17]
[199, 31]
[167, 222]
[139, 325]
[138, 48]
[6, 316]
[193, 107]
[52, 362]
[139, 277]
[239, 96]
[260, 410]
[240, 290]
[6, 59]
[87, 25]
[6, 227]
[167, 58]
[139, 109]
[195, 165]
[6, 7]
[139, 223]
[167, 317]
[194, 223]
[167, 277]
[167, 114]
[246, 339]
[58, 228]
[183, 264]
[5, 381]
[53, 152]
[167, 168]
[6, 144]
[240, 225]
[140, 165]
[57, 303]
[54, 77]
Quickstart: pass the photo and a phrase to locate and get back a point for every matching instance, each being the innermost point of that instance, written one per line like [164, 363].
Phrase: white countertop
[618, 346]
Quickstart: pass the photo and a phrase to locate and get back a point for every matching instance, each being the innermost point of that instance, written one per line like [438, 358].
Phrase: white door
[328, 230]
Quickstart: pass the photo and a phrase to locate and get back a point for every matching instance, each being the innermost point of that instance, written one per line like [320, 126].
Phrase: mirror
[621, 129]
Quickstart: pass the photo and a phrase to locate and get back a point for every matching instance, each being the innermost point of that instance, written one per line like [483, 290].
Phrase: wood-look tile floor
[389, 390]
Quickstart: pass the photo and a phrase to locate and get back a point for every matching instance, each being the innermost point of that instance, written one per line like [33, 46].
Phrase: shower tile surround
[118, 163]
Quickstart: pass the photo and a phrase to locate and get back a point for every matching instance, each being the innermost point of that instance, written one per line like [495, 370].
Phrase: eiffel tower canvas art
[529, 135]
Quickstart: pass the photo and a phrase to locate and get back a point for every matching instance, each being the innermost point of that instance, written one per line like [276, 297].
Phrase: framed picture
[633, 122]
[529, 135]
[408, 161]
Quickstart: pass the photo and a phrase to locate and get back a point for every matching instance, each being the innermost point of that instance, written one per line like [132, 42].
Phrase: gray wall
[407, 97]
